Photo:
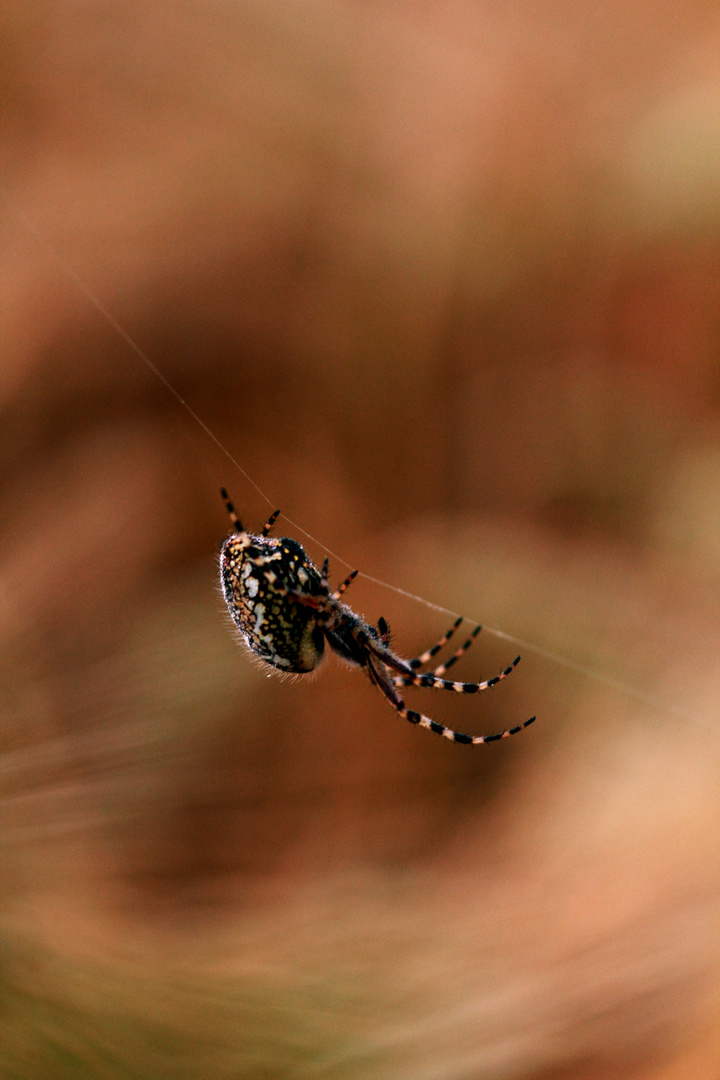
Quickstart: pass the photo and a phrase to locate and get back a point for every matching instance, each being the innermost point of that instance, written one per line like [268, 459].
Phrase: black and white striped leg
[236, 522]
[458, 653]
[429, 679]
[383, 683]
[270, 522]
[348, 581]
[403, 675]
[426, 657]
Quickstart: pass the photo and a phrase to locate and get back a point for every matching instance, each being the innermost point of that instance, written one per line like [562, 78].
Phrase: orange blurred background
[443, 278]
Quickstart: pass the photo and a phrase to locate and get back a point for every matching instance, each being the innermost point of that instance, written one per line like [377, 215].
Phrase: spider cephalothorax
[286, 612]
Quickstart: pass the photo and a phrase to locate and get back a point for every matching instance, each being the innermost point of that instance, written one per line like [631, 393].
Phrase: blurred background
[444, 279]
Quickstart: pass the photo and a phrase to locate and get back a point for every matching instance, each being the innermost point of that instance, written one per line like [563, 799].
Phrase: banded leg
[270, 522]
[432, 680]
[458, 653]
[426, 657]
[403, 675]
[236, 522]
[413, 717]
[348, 581]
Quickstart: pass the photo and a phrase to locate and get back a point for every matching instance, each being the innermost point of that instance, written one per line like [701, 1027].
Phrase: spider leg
[403, 675]
[270, 522]
[458, 653]
[384, 631]
[384, 684]
[418, 661]
[380, 649]
[324, 572]
[430, 679]
[348, 581]
[237, 524]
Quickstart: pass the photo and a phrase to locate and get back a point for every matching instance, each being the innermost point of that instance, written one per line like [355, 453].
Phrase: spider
[286, 612]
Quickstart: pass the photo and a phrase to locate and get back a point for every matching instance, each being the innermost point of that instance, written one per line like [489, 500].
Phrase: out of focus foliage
[444, 279]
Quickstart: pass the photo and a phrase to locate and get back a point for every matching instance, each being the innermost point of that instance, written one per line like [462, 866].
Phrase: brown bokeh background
[443, 279]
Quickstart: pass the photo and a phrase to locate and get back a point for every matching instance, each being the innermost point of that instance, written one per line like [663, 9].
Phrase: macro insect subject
[286, 612]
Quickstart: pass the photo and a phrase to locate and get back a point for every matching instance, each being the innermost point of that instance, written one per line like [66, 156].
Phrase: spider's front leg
[418, 661]
[381, 680]
[431, 679]
[403, 675]
[426, 657]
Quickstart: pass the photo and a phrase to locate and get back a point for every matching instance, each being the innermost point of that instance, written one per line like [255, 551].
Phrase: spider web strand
[537, 650]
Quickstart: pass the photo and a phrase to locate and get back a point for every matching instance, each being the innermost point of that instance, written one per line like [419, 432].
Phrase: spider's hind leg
[270, 522]
[348, 581]
[232, 513]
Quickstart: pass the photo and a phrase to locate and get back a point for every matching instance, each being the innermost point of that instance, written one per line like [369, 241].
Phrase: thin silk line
[555, 658]
[68, 269]
[537, 650]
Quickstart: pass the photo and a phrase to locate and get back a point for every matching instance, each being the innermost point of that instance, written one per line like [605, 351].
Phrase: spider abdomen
[260, 578]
